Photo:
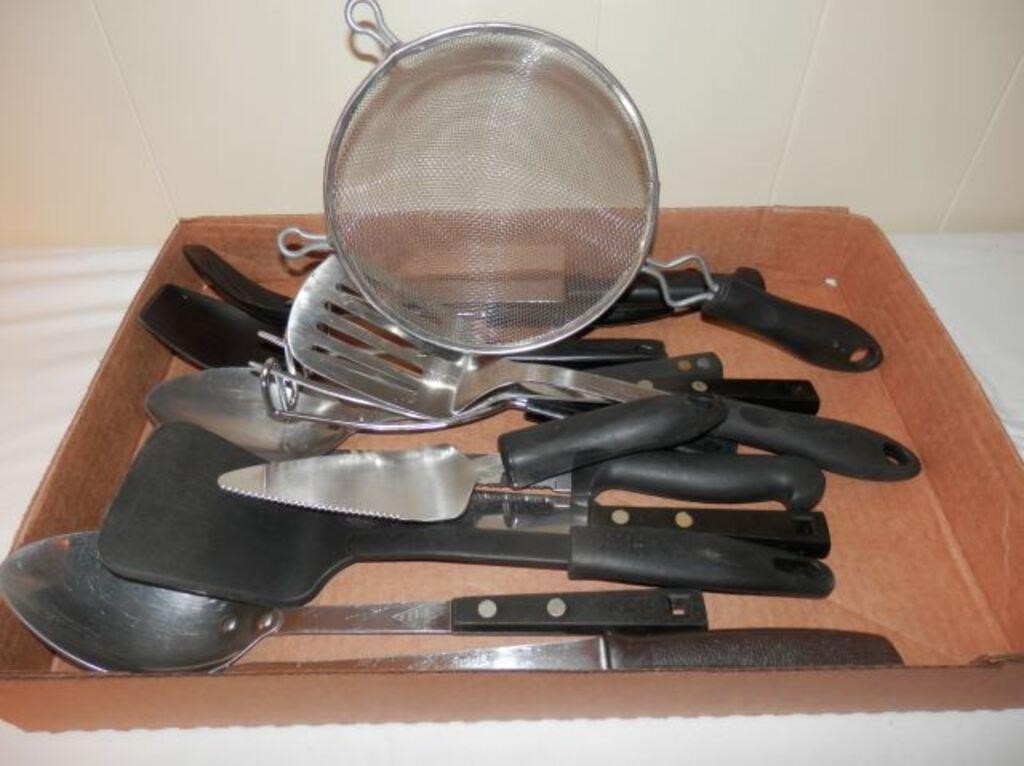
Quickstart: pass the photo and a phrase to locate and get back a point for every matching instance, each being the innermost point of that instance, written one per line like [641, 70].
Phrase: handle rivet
[229, 624]
[645, 383]
[557, 607]
[685, 365]
[700, 386]
[266, 621]
[620, 516]
[684, 520]
[487, 609]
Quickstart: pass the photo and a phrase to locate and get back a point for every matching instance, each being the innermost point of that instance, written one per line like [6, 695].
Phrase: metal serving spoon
[60, 590]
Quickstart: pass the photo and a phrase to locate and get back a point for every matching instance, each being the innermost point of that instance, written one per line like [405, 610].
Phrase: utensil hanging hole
[895, 453]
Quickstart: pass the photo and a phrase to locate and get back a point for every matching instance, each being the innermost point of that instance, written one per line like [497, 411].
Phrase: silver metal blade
[426, 485]
[407, 617]
[581, 654]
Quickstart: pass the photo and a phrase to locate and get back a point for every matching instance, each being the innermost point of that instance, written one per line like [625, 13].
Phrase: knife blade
[736, 648]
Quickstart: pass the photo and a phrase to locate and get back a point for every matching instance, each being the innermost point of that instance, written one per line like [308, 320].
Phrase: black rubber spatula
[170, 525]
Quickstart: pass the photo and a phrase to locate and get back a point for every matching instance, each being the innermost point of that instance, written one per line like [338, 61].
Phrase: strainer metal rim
[399, 51]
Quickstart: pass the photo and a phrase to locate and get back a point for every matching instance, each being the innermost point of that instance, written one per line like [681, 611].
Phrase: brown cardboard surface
[931, 563]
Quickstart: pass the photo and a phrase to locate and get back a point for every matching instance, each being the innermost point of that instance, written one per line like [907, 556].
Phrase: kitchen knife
[736, 648]
[635, 610]
[434, 484]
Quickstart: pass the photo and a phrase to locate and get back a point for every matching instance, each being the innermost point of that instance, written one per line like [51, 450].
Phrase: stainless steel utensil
[60, 590]
[485, 175]
[336, 334]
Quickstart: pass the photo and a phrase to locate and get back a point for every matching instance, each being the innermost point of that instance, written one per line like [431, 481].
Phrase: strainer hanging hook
[380, 31]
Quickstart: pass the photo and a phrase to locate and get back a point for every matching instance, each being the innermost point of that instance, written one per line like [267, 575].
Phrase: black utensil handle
[673, 374]
[559, 446]
[807, 535]
[236, 288]
[819, 337]
[455, 543]
[666, 558]
[204, 331]
[586, 353]
[643, 301]
[543, 410]
[751, 648]
[795, 482]
[583, 612]
[834, 445]
[780, 394]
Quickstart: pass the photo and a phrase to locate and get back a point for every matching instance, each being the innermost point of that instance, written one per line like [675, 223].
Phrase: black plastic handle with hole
[820, 337]
[834, 445]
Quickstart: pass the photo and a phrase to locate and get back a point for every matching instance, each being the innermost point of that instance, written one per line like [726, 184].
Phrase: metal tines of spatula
[335, 333]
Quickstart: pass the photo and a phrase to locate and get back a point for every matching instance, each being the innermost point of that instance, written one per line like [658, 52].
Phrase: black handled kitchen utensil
[834, 445]
[820, 337]
[735, 648]
[207, 332]
[642, 301]
[170, 525]
[435, 484]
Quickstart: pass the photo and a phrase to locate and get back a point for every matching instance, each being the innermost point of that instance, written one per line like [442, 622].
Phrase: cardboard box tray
[934, 564]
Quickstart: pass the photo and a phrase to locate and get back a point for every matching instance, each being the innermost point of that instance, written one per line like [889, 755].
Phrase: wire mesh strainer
[490, 188]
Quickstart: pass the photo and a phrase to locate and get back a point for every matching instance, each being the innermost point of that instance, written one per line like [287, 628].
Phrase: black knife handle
[237, 289]
[750, 648]
[643, 300]
[780, 394]
[834, 445]
[666, 558]
[560, 446]
[819, 337]
[587, 353]
[796, 483]
[807, 535]
[583, 612]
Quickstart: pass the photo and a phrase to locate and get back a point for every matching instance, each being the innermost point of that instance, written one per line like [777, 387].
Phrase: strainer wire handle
[317, 244]
[655, 269]
[380, 31]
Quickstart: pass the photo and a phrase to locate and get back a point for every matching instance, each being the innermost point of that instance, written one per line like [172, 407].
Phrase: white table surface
[58, 311]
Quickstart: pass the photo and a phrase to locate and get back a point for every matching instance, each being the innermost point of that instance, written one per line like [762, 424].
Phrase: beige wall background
[119, 116]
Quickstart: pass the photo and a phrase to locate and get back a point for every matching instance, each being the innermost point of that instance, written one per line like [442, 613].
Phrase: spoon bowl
[62, 592]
